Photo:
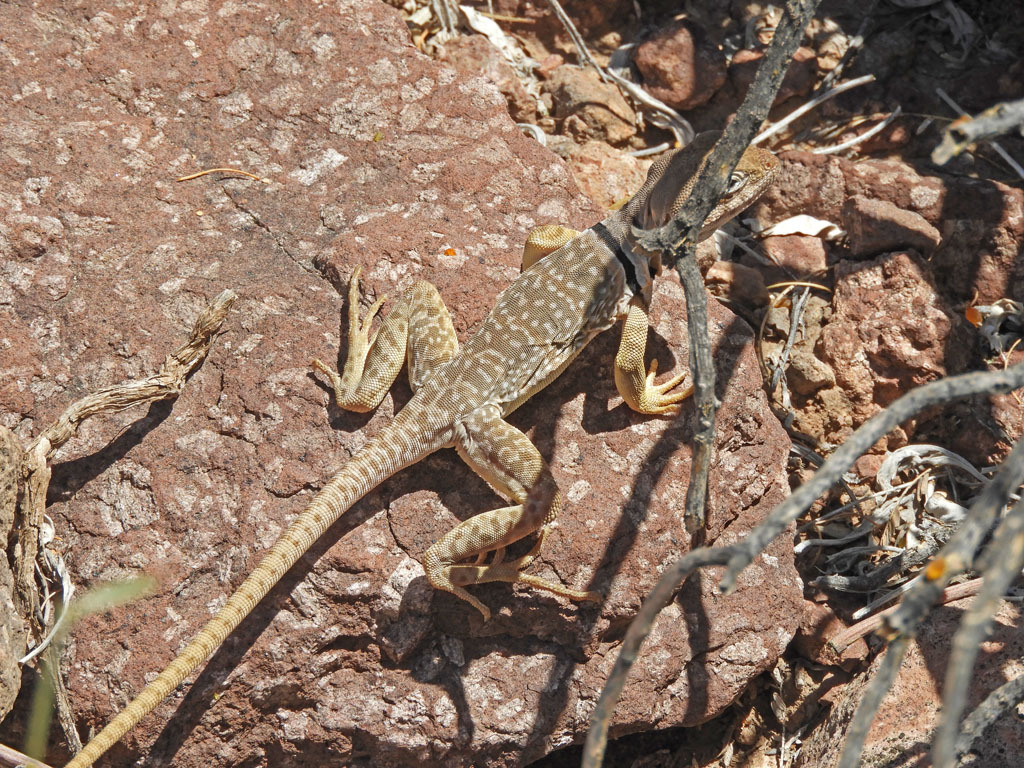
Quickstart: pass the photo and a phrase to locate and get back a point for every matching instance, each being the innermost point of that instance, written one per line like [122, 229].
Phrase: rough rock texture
[888, 332]
[604, 175]
[378, 157]
[13, 631]
[878, 226]
[588, 107]
[801, 255]
[898, 320]
[474, 55]
[981, 222]
[902, 732]
[679, 67]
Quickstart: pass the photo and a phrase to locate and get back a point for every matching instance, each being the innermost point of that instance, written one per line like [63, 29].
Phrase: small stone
[878, 226]
[549, 64]
[803, 255]
[867, 466]
[735, 282]
[680, 67]
[599, 109]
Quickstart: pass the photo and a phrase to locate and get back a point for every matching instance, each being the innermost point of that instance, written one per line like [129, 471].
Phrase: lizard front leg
[634, 382]
[418, 329]
[509, 462]
[544, 240]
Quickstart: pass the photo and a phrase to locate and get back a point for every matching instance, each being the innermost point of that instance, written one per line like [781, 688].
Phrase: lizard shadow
[599, 418]
[509, 632]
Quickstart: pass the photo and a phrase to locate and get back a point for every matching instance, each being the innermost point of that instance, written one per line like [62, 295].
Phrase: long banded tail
[389, 452]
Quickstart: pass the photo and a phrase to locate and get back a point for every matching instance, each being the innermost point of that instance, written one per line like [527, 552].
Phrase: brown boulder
[376, 156]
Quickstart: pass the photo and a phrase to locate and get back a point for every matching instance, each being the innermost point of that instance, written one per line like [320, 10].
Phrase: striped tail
[389, 452]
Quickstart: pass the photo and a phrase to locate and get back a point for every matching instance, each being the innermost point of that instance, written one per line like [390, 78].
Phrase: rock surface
[13, 628]
[376, 156]
[588, 107]
[897, 320]
[902, 732]
[981, 222]
[474, 55]
[603, 174]
[888, 333]
[878, 226]
[679, 66]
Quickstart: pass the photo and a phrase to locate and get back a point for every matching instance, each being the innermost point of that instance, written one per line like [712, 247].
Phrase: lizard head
[671, 178]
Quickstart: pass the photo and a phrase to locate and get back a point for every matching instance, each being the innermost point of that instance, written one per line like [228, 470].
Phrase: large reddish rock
[378, 157]
[13, 627]
[898, 320]
[605, 175]
[888, 333]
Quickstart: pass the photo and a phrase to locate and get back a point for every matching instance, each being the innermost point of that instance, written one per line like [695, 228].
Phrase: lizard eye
[736, 182]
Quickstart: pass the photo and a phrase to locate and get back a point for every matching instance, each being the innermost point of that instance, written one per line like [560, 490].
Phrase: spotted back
[542, 321]
[539, 324]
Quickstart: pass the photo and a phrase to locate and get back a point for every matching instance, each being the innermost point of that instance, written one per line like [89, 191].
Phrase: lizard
[573, 285]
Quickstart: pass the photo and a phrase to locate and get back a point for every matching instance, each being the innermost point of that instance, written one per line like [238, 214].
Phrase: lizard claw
[359, 331]
[659, 398]
[360, 340]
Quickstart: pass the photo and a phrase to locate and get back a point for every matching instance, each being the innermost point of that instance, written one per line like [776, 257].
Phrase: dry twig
[677, 241]
[32, 466]
[901, 626]
[739, 555]
[12, 758]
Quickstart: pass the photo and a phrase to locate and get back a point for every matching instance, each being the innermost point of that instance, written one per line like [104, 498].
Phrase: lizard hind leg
[510, 463]
[418, 329]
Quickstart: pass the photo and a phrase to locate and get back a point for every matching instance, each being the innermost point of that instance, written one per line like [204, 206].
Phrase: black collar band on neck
[615, 247]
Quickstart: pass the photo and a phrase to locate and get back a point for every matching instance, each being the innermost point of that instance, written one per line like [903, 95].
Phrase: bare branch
[912, 403]
[164, 384]
[1004, 559]
[12, 758]
[901, 626]
[677, 240]
[962, 133]
[1008, 695]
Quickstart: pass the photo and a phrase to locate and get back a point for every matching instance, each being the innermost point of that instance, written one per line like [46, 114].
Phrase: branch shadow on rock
[611, 560]
[69, 477]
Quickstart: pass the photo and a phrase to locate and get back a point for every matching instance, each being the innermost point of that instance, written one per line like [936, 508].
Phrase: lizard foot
[360, 340]
[658, 399]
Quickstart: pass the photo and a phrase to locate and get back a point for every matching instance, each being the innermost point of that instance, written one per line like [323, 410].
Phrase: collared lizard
[573, 286]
